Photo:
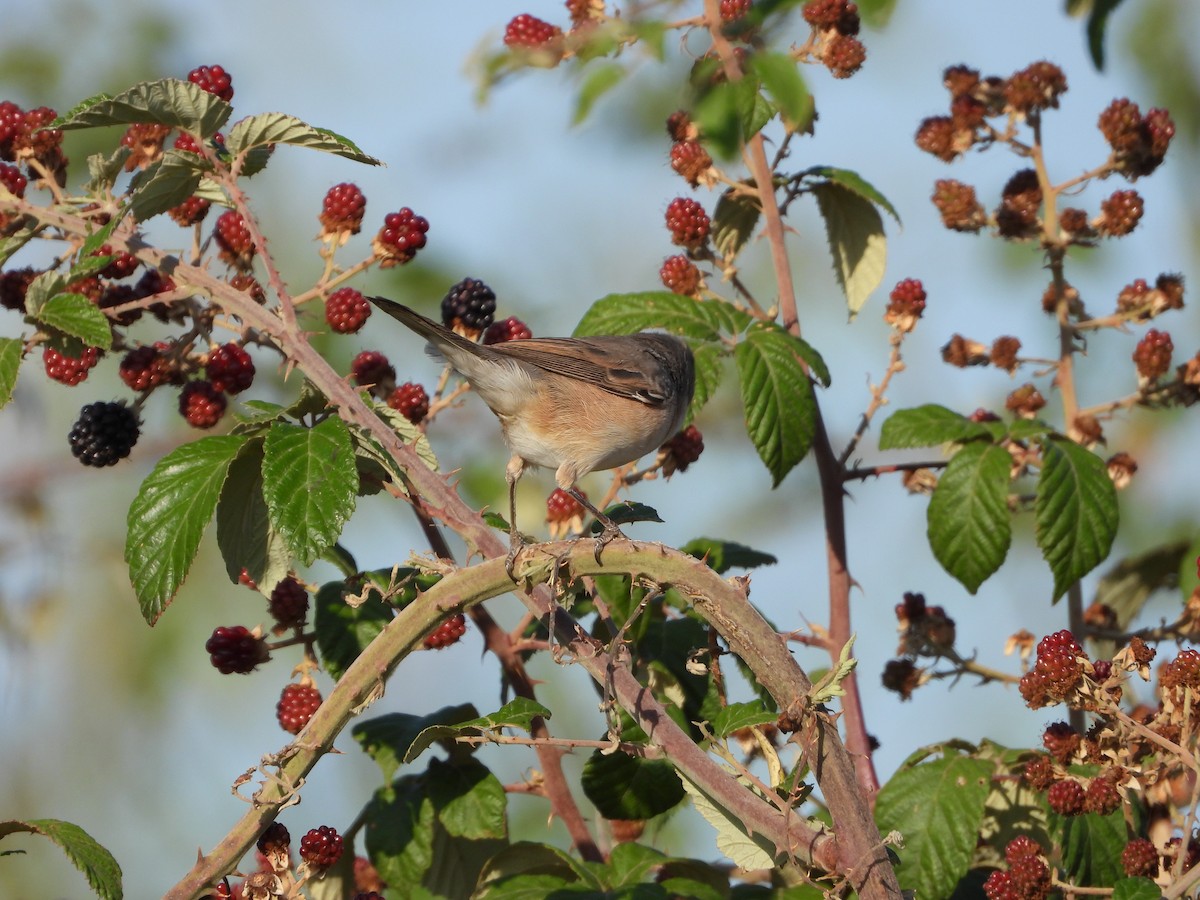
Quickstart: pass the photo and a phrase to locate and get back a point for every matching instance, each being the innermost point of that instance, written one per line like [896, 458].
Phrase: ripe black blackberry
[469, 307]
[321, 847]
[342, 210]
[69, 370]
[236, 649]
[201, 404]
[449, 632]
[115, 295]
[347, 310]
[402, 235]
[213, 79]
[510, 329]
[288, 604]
[14, 283]
[681, 451]
[411, 401]
[274, 839]
[296, 706]
[688, 223]
[230, 368]
[104, 433]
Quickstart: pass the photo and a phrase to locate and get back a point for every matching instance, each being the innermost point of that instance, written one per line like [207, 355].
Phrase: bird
[574, 405]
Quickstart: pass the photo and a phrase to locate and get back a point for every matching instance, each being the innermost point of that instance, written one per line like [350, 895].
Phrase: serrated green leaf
[165, 184]
[76, 315]
[709, 359]
[856, 241]
[11, 350]
[280, 128]
[1091, 847]
[1024, 429]
[46, 285]
[627, 512]
[517, 714]
[627, 787]
[405, 430]
[848, 178]
[470, 800]
[747, 851]
[104, 170]
[169, 514]
[741, 715]
[734, 220]
[344, 630]
[967, 520]
[388, 739]
[169, 101]
[631, 313]
[92, 244]
[1126, 586]
[599, 80]
[780, 76]
[938, 807]
[244, 533]
[716, 114]
[1136, 889]
[310, 483]
[400, 835]
[1076, 511]
[86, 854]
[11, 243]
[777, 398]
[927, 426]
[754, 109]
[722, 556]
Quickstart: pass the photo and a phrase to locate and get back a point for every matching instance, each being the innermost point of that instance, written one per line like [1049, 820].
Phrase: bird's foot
[515, 546]
[609, 534]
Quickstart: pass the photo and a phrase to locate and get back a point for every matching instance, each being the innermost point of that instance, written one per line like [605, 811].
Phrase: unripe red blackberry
[1152, 355]
[236, 649]
[940, 137]
[968, 114]
[296, 706]
[188, 144]
[190, 212]
[1021, 199]
[906, 304]
[14, 284]
[562, 508]
[1004, 353]
[1133, 296]
[1120, 213]
[1025, 401]
[1102, 797]
[843, 55]
[1062, 741]
[246, 581]
[680, 275]
[1101, 670]
[1038, 773]
[510, 329]
[145, 143]
[104, 434]
[1031, 877]
[35, 140]
[1067, 798]
[681, 451]
[1171, 288]
[230, 368]
[530, 33]
[347, 310]
[11, 178]
[732, 10]
[1140, 858]
[235, 244]
[1120, 123]
[688, 223]
[372, 369]
[692, 162]
[248, 284]
[201, 404]
[962, 352]
[1075, 222]
[288, 604]
[366, 876]
[999, 886]
[342, 210]
[469, 307]
[69, 370]
[321, 847]
[839, 15]
[213, 79]
[122, 266]
[1020, 846]
[402, 235]
[1036, 87]
[902, 676]
[1160, 129]
[274, 839]
[450, 631]
[411, 401]
[960, 209]
[12, 120]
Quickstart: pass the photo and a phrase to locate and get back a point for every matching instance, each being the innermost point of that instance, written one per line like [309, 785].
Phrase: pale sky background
[130, 733]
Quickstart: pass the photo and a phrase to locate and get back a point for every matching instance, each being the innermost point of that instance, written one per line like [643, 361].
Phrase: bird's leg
[610, 530]
[512, 474]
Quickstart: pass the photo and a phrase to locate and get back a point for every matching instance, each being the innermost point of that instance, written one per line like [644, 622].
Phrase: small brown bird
[571, 404]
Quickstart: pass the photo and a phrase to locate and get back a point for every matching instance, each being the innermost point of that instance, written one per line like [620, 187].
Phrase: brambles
[104, 434]
[411, 401]
[230, 368]
[680, 276]
[688, 223]
[201, 404]
[321, 847]
[296, 706]
[402, 235]
[342, 210]
[449, 632]
[347, 310]
[681, 451]
[469, 307]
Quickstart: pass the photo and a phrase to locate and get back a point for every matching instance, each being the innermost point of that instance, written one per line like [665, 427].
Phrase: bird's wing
[603, 366]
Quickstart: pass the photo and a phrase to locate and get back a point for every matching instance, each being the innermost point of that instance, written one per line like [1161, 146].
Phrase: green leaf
[244, 532]
[405, 430]
[850, 179]
[747, 851]
[11, 243]
[734, 220]
[388, 739]
[165, 184]
[928, 426]
[97, 864]
[626, 787]
[1076, 511]
[103, 171]
[600, 79]
[1025, 429]
[856, 241]
[1097, 25]
[1136, 889]
[400, 833]
[1189, 569]
[519, 713]
[170, 101]
[10, 364]
[722, 556]
[631, 313]
[968, 524]
[709, 359]
[344, 630]
[716, 115]
[470, 800]
[742, 715]
[938, 807]
[76, 315]
[514, 861]
[310, 483]
[780, 75]
[1091, 847]
[48, 284]
[92, 244]
[1127, 586]
[280, 128]
[169, 514]
[777, 398]
[631, 864]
